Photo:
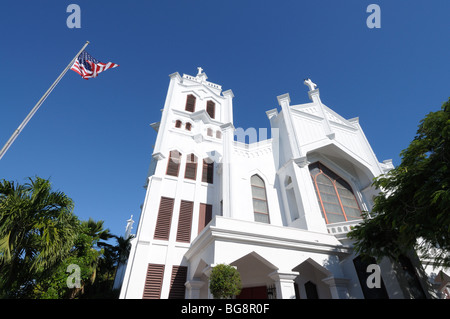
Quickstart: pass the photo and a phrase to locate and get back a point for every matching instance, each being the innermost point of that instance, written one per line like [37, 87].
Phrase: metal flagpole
[38, 104]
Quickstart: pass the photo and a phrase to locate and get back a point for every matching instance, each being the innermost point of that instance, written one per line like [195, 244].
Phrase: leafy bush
[224, 281]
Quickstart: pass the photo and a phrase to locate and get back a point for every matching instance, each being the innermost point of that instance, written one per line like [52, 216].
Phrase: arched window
[178, 124]
[190, 103]
[218, 134]
[260, 208]
[209, 131]
[188, 126]
[211, 108]
[173, 165]
[336, 198]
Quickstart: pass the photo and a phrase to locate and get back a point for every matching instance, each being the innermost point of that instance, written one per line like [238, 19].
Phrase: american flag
[89, 67]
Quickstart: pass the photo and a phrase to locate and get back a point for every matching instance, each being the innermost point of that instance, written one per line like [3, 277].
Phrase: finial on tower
[130, 223]
[201, 75]
[312, 86]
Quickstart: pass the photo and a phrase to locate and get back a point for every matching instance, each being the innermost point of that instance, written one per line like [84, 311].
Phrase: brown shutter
[211, 108]
[190, 103]
[177, 288]
[191, 167]
[153, 281]
[185, 222]
[173, 165]
[208, 171]
[204, 217]
[162, 229]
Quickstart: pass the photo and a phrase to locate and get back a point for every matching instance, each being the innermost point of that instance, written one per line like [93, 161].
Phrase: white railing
[196, 79]
[340, 230]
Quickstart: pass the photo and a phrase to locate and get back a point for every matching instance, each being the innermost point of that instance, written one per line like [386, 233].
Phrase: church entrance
[255, 277]
[253, 293]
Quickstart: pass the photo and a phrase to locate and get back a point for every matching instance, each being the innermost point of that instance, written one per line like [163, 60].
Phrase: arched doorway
[256, 282]
[309, 284]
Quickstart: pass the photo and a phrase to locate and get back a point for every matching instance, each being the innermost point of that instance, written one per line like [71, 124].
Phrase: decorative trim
[158, 156]
[272, 113]
[301, 161]
[284, 98]
[283, 276]
[285, 240]
[228, 93]
[313, 93]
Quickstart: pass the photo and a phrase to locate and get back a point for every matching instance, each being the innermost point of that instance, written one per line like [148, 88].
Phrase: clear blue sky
[93, 139]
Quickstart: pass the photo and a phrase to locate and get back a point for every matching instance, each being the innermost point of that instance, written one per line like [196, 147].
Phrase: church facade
[278, 209]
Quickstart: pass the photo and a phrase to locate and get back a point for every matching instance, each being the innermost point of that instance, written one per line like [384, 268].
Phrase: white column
[284, 101]
[228, 107]
[193, 289]
[284, 283]
[207, 273]
[338, 287]
[313, 218]
[227, 158]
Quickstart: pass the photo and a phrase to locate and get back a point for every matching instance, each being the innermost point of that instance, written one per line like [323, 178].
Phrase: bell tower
[184, 186]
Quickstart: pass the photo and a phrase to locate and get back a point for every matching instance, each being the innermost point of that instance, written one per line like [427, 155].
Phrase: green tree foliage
[86, 253]
[224, 281]
[40, 237]
[37, 230]
[413, 207]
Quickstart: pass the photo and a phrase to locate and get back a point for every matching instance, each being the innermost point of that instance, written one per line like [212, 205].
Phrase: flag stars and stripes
[89, 67]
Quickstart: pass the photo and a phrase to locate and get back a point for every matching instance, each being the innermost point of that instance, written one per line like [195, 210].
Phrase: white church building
[277, 209]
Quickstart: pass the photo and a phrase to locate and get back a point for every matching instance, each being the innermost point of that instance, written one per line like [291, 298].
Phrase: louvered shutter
[211, 108]
[185, 222]
[204, 216]
[191, 167]
[177, 288]
[190, 103]
[207, 172]
[173, 165]
[164, 220]
[153, 281]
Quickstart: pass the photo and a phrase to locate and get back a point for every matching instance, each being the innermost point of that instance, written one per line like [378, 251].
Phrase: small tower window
[178, 124]
[188, 126]
[190, 103]
[209, 132]
[218, 134]
[211, 108]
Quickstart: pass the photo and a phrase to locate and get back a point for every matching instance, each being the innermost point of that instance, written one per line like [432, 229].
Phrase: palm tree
[37, 230]
[114, 256]
[123, 248]
[96, 232]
